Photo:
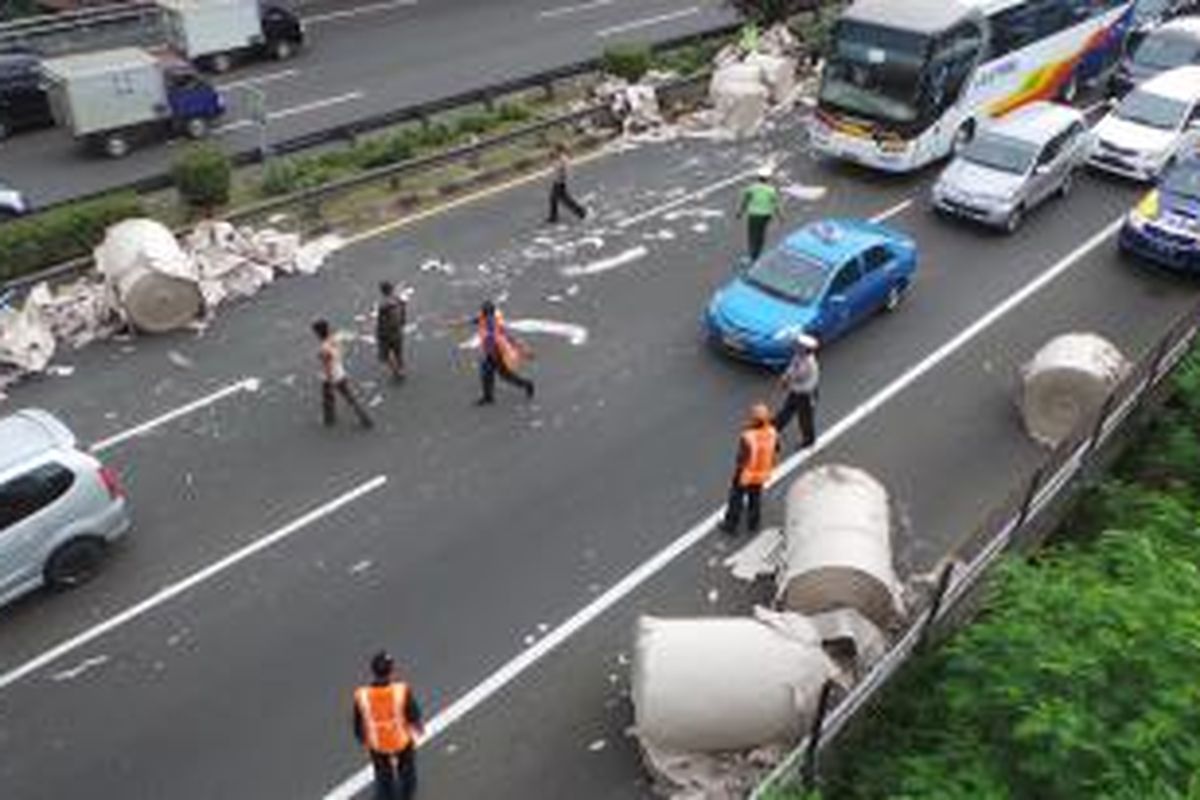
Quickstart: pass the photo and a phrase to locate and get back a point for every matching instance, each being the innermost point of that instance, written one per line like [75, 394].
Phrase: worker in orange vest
[387, 721]
[757, 449]
[500, 354]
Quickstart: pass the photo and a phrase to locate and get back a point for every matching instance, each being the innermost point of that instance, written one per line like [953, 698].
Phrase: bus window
[955, 55]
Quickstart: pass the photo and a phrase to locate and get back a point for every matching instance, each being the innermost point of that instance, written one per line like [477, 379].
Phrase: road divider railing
[54, 34]
[1020, 522]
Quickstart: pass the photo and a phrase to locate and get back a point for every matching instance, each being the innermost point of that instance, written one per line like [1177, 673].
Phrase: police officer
[757, 449]
[760, 204]
[387, 721]
[800, 383]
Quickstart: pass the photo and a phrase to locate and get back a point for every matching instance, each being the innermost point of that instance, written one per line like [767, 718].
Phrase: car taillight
[112, 482]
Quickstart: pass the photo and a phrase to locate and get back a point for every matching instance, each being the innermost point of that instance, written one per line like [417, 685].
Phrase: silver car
[59, 506]
[1014, 164]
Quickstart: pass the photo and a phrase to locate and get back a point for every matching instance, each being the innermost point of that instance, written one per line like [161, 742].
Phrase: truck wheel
[196, 128]
[74, 563]
[3, 131]
[116, 146]
[282, 49]
[220, 63]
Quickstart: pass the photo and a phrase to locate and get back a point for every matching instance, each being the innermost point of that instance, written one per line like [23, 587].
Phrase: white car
[1152, 126]
[12, 204]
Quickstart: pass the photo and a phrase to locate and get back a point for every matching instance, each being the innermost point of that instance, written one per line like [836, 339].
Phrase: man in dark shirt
[390, 740]
[390, 319]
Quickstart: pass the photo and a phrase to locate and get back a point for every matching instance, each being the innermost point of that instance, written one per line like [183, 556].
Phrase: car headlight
[1145, 211]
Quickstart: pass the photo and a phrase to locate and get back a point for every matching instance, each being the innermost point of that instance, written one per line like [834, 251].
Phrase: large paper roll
[1067, 383]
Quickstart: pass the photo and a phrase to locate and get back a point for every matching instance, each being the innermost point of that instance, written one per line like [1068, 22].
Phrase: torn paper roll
[26, 340]
[1067, 383]
[740, 96]
[838, 548]
[154, 280]
[718, 684]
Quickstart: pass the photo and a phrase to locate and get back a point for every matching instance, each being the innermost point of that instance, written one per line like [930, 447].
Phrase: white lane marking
[268, 78]
[172, 591]
[647, 22]
[895, 210]
[511, 670]
[562, 11]
[303, 108]
[699, 194]
[372, 8]
[247, 385]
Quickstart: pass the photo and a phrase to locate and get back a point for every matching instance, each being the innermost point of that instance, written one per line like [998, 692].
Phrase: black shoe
[484, 401]
[728, 530]
[529, 391]
[366, 423]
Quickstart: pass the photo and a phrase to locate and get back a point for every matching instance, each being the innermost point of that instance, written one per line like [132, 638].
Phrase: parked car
[1151, 126]
[23, 100]
[1165, 226]
[822, 280]
[12, 202]
[1014, 164]
[59, 506]
[1174, 44]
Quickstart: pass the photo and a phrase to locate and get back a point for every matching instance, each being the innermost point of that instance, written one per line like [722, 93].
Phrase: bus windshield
[875, 71]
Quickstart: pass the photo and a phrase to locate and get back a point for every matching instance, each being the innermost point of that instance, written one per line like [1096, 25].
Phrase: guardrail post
[1105, 410]
[548, 90]
[808, 774]
[1035, 483]
[935, 607]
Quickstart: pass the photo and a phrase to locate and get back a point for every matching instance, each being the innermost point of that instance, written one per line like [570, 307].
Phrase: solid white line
[292, 111]
[268, 78]
[195, 579]
[647, 22]
[332, 16]
[699, 194]
[247, 385]
[562, 11]
[648, 569]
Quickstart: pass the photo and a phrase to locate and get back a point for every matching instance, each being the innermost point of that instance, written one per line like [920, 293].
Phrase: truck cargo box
[201, 28]
[96, 92]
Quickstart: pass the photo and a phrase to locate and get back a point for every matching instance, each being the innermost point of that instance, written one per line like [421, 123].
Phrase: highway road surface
[503, 553]
[369, 57]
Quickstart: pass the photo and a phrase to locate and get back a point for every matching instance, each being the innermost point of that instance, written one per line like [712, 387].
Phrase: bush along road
[1078, 677]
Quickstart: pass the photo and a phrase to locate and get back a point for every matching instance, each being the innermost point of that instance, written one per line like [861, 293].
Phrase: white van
[1151, 126]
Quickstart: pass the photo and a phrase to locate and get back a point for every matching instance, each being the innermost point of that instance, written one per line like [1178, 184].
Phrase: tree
[203, 175]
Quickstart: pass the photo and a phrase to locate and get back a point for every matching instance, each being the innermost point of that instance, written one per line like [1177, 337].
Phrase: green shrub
[60, 234]
[435, 134]
[514, 112]
[476, 123]
[280, 176]
[203, 175]
[385, 151]
[628, 61]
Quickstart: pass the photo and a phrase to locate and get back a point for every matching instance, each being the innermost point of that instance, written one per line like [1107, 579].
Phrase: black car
[23, 100]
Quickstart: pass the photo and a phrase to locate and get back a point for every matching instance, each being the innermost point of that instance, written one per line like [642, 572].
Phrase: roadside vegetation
[1079, 677]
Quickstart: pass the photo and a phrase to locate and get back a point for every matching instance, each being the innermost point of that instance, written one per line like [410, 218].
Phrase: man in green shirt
[760, 204]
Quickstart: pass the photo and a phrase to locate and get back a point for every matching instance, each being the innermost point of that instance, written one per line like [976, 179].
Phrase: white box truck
[212, 34]
[111, 98]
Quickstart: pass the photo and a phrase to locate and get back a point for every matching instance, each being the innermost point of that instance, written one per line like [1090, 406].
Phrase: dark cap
[382, 664]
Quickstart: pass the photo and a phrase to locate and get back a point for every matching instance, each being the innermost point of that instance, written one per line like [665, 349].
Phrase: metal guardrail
[27, 32]
[1014, 523]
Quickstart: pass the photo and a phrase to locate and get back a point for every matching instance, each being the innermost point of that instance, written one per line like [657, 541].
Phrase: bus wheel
[963, 136]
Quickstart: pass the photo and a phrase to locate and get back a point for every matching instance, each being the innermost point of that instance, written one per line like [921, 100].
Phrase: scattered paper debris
[597, 745]
[606, 264]
[180, 360]
[76, 671]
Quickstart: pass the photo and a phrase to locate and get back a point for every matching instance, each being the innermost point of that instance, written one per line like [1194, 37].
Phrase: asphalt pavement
[366, 58]
[214, 655]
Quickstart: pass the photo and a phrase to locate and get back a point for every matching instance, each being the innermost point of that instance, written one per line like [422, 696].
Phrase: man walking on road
[333, 377]
[387, 721]
[559, 193]
[500, 354]
[757, 449]
[760, 204]
[800, 382]
[390, 318]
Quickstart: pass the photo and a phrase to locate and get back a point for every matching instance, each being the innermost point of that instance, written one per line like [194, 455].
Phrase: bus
[907, 82]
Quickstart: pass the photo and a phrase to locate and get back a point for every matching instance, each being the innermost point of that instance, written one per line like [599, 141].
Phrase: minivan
[1174, 44]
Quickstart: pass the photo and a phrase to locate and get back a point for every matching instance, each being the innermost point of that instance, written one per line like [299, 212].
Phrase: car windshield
[875, 71]
[1184, 180]
[1001, 153]
[1154, 110]
[788, 274]
[1166, 51]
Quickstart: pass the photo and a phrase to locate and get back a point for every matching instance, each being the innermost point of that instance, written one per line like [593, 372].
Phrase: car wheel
[1065, 187]
[282, 49]
[894, 296]
[74, 563]
[963, 136]
[1014, 220]
[116, 146]
[196, 128]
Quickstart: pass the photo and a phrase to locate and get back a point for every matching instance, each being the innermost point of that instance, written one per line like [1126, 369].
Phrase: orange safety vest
[508, 352]
[385, 724]
[760, 447]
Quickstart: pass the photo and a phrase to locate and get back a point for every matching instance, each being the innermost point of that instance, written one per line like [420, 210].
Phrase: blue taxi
[822, 280]
[1164, 227]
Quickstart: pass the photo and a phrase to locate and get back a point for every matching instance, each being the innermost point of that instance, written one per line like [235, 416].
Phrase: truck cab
[23, 100]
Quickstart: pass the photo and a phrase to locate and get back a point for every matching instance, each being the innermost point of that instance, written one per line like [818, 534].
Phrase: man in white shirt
[800, 381]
